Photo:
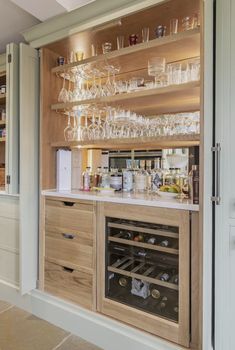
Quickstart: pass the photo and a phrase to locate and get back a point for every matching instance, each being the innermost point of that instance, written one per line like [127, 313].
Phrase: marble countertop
[151, 200]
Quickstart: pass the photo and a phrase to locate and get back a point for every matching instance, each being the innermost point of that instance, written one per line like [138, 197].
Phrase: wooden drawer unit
[69, 215]
[69, 252]
[69, 284]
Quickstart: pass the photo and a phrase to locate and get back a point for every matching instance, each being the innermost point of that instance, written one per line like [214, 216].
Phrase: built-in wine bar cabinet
[145, 268]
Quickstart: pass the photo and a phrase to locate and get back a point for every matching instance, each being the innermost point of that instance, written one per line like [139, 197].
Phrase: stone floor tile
[20, 330]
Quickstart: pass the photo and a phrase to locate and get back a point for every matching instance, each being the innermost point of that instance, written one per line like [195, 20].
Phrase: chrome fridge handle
[216, 196]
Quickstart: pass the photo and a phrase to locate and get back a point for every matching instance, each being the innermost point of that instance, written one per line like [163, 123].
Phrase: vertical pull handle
[216, 196]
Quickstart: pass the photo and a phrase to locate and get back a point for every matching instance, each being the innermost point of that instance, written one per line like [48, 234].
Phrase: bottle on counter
[105, 179]
[141, 178]
[97, 177]
[194, 184]
[86, 181]
[127, 180]
[157, 175]
[149, 175]
[116, 179]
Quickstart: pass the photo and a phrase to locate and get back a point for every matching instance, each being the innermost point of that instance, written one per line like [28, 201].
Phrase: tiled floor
[20, 330]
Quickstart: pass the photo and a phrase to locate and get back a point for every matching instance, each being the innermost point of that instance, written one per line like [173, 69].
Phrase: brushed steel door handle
[216, 198]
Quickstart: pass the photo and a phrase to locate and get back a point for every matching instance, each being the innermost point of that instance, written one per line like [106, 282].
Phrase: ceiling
[19, 15]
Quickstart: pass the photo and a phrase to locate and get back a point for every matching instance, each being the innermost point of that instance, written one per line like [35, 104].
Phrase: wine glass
[68, 130]
[63, 95]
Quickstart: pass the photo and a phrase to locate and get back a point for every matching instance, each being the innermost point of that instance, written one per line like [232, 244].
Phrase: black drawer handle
[69, 204]
[68, 235]
[67, 269]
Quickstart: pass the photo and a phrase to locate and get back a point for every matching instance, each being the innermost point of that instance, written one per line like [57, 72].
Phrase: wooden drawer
[73, 249]
[75, 216]
[69, 284]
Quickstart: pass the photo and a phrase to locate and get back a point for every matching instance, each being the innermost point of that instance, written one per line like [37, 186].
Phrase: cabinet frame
[176, 332]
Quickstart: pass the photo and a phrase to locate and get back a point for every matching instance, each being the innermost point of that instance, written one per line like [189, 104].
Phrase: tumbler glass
[174, 26]
[145, 35]
[106, 47]
[120, 42]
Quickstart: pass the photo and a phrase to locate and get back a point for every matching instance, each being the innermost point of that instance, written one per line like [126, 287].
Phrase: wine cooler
[145, 269]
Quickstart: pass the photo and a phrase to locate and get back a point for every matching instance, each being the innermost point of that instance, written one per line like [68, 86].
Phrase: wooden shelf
[135, 57]
[150, 231]
[2, 139]
[161, 142]
[126, 262]
[2, 122]
[170, 99]
[143, 245]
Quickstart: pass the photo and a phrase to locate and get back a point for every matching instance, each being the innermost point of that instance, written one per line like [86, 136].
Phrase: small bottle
[105, 181]
[91, 178]
[86, 179]
[141, 178]
[97, 177]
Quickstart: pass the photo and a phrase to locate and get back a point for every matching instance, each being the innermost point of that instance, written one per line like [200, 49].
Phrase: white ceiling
[44, 9]
[13, 20]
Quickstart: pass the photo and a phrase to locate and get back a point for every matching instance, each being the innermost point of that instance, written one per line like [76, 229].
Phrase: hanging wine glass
[63, 95]
[68, 130]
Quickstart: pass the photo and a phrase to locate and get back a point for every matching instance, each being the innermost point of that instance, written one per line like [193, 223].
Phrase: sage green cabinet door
[29, 132]
[12, 119]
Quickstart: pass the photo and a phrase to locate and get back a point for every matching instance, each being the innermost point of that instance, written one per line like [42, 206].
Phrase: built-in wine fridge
[144, 271]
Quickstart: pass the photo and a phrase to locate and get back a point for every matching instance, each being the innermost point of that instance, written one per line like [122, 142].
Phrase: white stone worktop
[151, 200]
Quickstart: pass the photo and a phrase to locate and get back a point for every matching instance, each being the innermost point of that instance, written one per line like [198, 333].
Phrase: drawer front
[70, 248]
[69, 215]
[69, 284]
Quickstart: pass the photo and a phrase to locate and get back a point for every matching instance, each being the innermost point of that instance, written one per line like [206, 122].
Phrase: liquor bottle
[127, 180]
[194, 184]
[149, 175]
[141, 178]
[91, 178]
[115, 179]
[97, 177]
[126, 235]
[105, 180]
[157, 175]
[139, 238]
[86, 179]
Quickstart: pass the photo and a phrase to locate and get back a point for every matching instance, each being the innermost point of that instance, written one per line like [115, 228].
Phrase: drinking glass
[68, 130]
[120, 42]
[133, 39]
[63, 95]
[106, 47]
[174, 26]
[145, 35]
[79, 55]
[188, 23]
[174, 72]
[194, 70]
[156, 66]
[160, 31]
[94, 50]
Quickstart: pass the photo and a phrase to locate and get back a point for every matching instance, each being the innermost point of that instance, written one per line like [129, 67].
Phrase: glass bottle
[169, 178]
[105, 180]
[157, 175]
[149, 175]
[127, 180]
[116, 179]
[91, 178]
[86, 179]
[194, 185]
[141, 178]
[97, 177]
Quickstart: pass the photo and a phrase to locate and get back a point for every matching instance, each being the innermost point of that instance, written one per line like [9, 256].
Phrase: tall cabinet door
[12, 122]
[29, 130]
[225, 210]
